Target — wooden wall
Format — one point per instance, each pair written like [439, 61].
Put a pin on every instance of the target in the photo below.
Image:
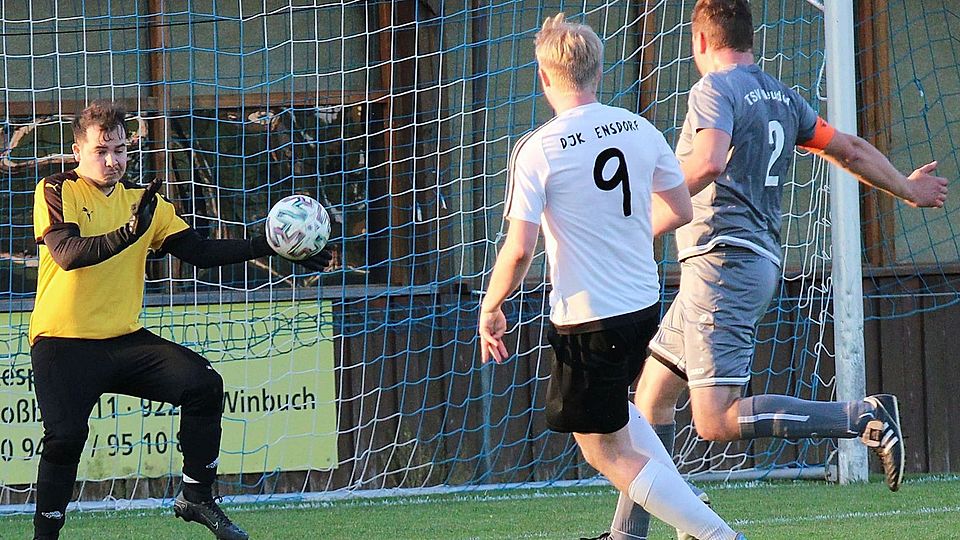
[417, 409]
[913, 356]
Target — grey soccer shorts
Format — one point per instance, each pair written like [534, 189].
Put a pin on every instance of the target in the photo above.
[707, 335]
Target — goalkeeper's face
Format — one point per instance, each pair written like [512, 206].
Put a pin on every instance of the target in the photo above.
[102, 156]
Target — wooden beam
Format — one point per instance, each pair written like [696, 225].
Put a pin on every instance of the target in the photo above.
[178, 104]
[646, 32]
[391, 185]
[479, 50]
[159, 92]
[431, 145]
[874, 95]
[155, 161]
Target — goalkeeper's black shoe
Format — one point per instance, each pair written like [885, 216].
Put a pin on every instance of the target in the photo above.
[604, 536]
[883, 435]
[210, 515]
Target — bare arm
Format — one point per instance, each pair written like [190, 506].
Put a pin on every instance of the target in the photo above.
[512, 264]
[870, 166]
[707, 160]
[671, 209]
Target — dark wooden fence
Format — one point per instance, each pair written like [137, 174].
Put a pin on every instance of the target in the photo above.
[416, 408]
[912, 341]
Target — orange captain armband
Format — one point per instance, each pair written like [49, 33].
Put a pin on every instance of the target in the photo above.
[822, 135]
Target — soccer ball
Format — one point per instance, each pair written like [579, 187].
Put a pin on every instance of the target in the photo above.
[298, 227]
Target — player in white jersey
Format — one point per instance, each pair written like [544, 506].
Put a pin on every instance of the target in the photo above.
[736, 143]
[602, 182]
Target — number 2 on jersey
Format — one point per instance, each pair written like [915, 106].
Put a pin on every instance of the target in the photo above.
[619, 178]
[775, 130]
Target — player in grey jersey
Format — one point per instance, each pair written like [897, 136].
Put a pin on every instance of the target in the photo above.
[737, 140]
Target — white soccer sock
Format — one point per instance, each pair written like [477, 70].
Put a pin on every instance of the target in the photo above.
[645, 440]
[666, 495]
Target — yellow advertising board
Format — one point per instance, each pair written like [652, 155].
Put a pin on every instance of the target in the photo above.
[277, 363]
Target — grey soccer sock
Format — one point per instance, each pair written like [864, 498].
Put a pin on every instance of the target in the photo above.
[785, 417]
[631, 521]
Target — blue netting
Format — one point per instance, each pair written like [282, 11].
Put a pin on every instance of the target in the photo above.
[399, 118]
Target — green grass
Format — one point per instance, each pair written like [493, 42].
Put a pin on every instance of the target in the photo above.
[926, 507]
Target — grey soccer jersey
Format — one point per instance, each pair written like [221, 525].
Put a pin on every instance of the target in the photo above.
[765, 120]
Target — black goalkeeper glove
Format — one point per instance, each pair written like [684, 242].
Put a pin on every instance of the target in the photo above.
[142, 213]
[316, 263]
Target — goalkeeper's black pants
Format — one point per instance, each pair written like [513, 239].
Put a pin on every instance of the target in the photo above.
[71, 374]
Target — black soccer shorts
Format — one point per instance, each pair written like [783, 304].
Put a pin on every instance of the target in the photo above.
[71, 375]
[593, 368]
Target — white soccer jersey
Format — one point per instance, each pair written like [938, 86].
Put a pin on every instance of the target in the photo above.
[589, 172]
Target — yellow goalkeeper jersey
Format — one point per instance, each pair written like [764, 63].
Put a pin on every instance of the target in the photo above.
[103, 300]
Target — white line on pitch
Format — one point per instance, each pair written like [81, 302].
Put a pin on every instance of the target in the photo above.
[847, 515]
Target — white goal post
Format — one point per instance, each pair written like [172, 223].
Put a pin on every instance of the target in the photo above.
[845, 201]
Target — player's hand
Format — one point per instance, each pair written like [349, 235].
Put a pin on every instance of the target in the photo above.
[927, 190]
[492, 327]
[141, 214]
[318, 262]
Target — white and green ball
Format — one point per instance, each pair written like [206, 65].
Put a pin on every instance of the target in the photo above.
[298, 227]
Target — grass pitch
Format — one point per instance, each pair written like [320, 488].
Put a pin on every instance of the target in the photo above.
[926, 507]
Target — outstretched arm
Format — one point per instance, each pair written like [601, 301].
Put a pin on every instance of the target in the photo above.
[512, 264]
[870, 166]
[190, 247]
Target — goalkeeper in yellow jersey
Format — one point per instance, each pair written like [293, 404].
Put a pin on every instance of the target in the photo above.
[94, 231]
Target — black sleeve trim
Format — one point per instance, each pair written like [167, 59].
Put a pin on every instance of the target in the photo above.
[71, 251]
[56, 227]
[169, 240]
[53, 198]
[190, 247]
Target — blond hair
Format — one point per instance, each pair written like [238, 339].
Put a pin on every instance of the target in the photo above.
[571, 53]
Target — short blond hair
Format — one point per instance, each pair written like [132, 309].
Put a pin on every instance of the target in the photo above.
[570, 53]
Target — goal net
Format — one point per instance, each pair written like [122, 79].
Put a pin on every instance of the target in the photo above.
[399, 117]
